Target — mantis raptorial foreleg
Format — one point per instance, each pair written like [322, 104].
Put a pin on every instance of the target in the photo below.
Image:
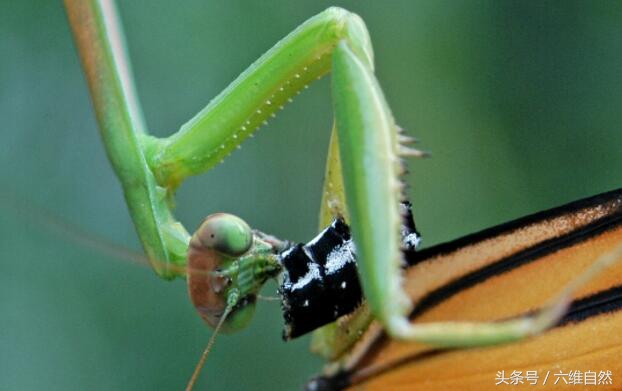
[369, 150]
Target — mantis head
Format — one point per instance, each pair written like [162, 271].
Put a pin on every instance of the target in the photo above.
[228, 265]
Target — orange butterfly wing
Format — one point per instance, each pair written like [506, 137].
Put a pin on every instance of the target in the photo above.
[504, 272]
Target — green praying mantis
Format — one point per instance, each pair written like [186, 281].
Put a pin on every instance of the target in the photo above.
[362, 182]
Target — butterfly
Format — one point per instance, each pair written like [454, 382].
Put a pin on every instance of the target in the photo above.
[500, 273]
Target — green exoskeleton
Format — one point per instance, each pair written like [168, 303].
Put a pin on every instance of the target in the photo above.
[227, 262]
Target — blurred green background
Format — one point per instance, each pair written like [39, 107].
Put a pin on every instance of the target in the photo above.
[519, 103]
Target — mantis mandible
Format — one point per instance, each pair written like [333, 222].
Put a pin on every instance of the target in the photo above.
[362, 182]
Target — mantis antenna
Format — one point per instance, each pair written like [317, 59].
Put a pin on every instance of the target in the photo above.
[208, 348]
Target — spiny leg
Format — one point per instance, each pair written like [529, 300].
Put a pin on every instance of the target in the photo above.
[264, 88]
[369, 150]
[255, 96]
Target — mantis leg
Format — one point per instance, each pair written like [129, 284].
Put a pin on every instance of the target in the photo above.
[369, 152]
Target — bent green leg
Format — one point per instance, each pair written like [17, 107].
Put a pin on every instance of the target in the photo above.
[369, 151]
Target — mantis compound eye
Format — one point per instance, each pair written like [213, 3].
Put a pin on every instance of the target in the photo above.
[226, 233]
